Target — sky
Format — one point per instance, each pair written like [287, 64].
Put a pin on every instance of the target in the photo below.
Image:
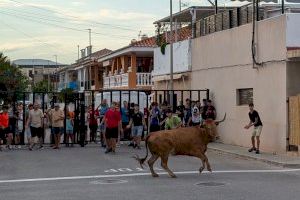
[40, 29]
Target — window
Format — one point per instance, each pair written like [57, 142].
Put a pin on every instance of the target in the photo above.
[244, 96]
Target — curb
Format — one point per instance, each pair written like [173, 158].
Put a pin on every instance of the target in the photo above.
[248, 157]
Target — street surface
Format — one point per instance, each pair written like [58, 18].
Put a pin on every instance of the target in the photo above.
[87, 173]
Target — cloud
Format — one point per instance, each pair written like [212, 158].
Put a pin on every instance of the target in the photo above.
[116, 14]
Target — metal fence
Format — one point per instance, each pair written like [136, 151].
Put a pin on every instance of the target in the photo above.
[78, 103]
[227, 19]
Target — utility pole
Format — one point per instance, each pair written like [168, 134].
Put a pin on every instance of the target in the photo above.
[56, 71]
[48, 88]
[78, 52]
[171, 56]
[179, 5]
[90, 36]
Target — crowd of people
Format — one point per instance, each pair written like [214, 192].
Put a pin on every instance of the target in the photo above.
[111, 124]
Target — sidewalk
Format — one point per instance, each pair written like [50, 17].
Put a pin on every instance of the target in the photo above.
[242, 152]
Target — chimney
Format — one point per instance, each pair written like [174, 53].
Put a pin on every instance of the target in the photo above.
[82, 53]
[144, 37]
[133, 41]
[89, 50]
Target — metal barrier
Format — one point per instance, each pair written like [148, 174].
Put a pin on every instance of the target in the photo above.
[78, 102]
[227, 19]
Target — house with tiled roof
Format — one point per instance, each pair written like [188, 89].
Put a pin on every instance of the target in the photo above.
[129, 67]
[85, 74]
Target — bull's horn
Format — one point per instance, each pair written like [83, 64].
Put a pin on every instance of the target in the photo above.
[218, 122]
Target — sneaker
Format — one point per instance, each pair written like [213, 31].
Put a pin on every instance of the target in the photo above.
[118, 145]
[134, 146]
[257, 151]
[41, 147]
[55, 148]
[30, 149]
[131, 144]
[138, 147]
[252, 149]
[19, 147]
[108, 150]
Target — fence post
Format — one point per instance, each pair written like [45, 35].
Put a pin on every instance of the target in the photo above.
[82, 120]
[24, 120]
[207, 94]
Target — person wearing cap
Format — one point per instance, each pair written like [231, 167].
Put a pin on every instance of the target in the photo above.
[57, 119]
[172, 121]
[35, 122]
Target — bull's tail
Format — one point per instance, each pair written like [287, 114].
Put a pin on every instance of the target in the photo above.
[142, 160]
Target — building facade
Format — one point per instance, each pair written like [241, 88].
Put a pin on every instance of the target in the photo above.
[234, 80]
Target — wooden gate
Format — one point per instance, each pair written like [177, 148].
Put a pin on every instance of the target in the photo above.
[294, 120]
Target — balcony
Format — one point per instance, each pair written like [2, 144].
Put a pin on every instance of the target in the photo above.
[122, 80]
[144, 79]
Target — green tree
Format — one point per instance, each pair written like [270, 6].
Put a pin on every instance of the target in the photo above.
[12, 79]
[42, 86]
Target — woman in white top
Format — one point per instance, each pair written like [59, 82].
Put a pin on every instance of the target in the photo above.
[196, 118]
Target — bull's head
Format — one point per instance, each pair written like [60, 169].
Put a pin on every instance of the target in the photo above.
[211, 127]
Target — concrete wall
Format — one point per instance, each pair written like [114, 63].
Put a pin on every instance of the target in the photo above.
[182, 58]
[222, 63]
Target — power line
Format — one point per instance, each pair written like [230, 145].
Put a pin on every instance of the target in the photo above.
[75, 17]
[62, 26]
[30, 36]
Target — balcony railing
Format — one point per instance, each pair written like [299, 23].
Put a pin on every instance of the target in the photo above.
[122, 80]
[144, 79]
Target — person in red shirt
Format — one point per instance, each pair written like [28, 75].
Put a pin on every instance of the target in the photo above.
[4, 125]
[93, 124]
[113, 124]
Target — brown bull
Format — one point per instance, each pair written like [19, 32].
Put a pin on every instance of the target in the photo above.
[190, 141]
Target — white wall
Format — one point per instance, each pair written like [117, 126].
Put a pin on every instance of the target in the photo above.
[222, 63]
[181, 62]
[293, 30]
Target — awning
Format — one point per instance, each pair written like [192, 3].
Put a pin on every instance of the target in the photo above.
[167, 77]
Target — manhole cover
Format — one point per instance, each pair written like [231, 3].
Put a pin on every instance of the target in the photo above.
[108, 181]
[210, 184]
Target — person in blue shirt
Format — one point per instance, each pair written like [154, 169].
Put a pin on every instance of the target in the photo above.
[154, 117]
[103, 108]
[125, 133]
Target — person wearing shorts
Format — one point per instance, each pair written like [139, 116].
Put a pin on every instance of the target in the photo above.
[256, 122]
[27, 132]
[137, 122]
[69, 130]
[58, 117]
[20, 123]
[112, 120]
[103, 108]
[35, 121]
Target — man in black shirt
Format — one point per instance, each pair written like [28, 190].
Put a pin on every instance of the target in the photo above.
[256, 122]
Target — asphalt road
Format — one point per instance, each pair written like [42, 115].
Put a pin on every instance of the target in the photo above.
[88, 173]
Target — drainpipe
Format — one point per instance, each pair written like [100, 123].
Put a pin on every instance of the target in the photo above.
[194, 17]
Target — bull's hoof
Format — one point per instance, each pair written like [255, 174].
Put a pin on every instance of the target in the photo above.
[173, 176]
[209, 169]
[201, 169]
[155, 175]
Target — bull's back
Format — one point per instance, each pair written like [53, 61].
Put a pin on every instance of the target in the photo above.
[181, 141]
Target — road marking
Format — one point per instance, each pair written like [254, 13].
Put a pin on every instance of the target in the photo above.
[138, 169]
[143, 174]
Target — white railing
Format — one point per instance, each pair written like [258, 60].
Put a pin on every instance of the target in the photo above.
[144, 79]
[120, 80]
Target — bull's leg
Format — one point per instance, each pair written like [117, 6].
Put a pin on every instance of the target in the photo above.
[151, 161]
[204, 161]
[164, 164]
[207, 163]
